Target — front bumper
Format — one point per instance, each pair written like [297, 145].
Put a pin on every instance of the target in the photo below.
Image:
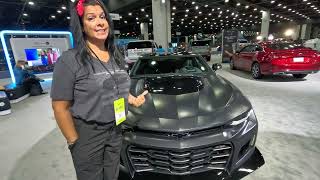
[211, 150]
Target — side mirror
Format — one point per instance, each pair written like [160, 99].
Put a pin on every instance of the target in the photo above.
[216, 66]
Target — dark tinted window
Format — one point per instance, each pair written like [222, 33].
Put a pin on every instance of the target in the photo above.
[248, 49]
[180, 65]
[282, 46]
[201, 43]
[139, 45]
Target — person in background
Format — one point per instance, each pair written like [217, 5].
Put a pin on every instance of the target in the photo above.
[26, 78]
[170, 49]
[52, 56]
[90, 93]
[161, 50]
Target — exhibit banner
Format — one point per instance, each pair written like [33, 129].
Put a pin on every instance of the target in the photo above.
[229, 40]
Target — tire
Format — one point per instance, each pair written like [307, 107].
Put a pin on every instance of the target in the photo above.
[256, 71]
[299, 76]
[232, 64]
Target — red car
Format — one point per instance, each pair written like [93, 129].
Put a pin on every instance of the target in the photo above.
[276, 58]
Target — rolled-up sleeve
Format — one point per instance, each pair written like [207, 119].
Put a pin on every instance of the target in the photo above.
[63, 81]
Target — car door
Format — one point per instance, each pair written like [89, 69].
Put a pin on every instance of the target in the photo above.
[249, 57]
[241, 57]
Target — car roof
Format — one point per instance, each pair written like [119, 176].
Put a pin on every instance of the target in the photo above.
[151, 56]
[142, 41]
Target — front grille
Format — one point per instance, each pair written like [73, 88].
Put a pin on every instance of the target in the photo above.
[179, 161]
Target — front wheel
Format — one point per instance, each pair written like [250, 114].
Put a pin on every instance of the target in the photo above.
[256, 71]
[299, 76]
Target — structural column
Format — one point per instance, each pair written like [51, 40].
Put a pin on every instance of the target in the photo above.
[161, 15]
[296, 34]
[144, 31]
[306, 31]
[265, 24]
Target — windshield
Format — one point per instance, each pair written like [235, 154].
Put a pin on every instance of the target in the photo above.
[139, 45]
[169, 65]
[284, 46]
[201, 43]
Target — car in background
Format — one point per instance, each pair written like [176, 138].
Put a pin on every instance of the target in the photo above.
[193, 121]
[136, 49]
[313, 44]
[276, 59]
[202, 47]
[241, 43]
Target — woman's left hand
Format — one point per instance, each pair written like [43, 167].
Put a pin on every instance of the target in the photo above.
[137, 101]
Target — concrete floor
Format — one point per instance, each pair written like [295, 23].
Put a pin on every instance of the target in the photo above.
[32, 148]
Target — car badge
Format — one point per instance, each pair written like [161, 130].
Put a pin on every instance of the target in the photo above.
[180, 135]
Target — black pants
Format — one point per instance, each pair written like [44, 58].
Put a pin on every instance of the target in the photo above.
[96, 154]
[33, 85]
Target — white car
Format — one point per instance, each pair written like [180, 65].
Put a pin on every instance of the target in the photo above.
[136, 49]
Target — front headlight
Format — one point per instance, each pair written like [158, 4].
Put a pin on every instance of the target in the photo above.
[247, 122]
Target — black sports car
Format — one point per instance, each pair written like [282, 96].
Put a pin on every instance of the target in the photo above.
[193, 122]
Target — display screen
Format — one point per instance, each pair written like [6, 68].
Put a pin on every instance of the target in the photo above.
[43, 56]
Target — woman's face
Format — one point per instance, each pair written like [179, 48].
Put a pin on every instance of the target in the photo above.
[95, 23]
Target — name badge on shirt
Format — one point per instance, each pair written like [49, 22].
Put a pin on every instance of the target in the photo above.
[119, 111]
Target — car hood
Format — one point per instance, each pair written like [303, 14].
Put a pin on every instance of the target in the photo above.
[185, 103]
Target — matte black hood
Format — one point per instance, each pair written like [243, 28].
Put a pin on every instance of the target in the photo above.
[185, 103]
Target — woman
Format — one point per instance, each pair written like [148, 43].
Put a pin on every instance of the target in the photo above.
[90, 93]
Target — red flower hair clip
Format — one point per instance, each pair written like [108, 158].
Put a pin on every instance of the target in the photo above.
[80, 7]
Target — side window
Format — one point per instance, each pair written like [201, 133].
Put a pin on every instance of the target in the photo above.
[259, 48]
[245, 49]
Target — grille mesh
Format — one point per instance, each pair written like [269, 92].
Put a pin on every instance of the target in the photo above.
[179, 161]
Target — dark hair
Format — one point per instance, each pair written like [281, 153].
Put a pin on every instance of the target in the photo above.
[76, 26]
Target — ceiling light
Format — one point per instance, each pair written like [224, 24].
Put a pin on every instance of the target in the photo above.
[25, 14]
[130, 14]
[147, 15]
[247, 7]
[174, 8]
[309, 3]
[272, 2]
[53, 16]
[255, 9]
[187, 10]
[193, 2]
[312, 6]
[206, 5]
[59, 11]
[197, 7]
[226, 1]
[173, 14]
[279, 4]
[209, 14]
[212, 10]
[150, 20]
[126, 22]
[186, 15]
[68, 17]
[137, 18]
[31, 3]
[238, 4]
[142, 10]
